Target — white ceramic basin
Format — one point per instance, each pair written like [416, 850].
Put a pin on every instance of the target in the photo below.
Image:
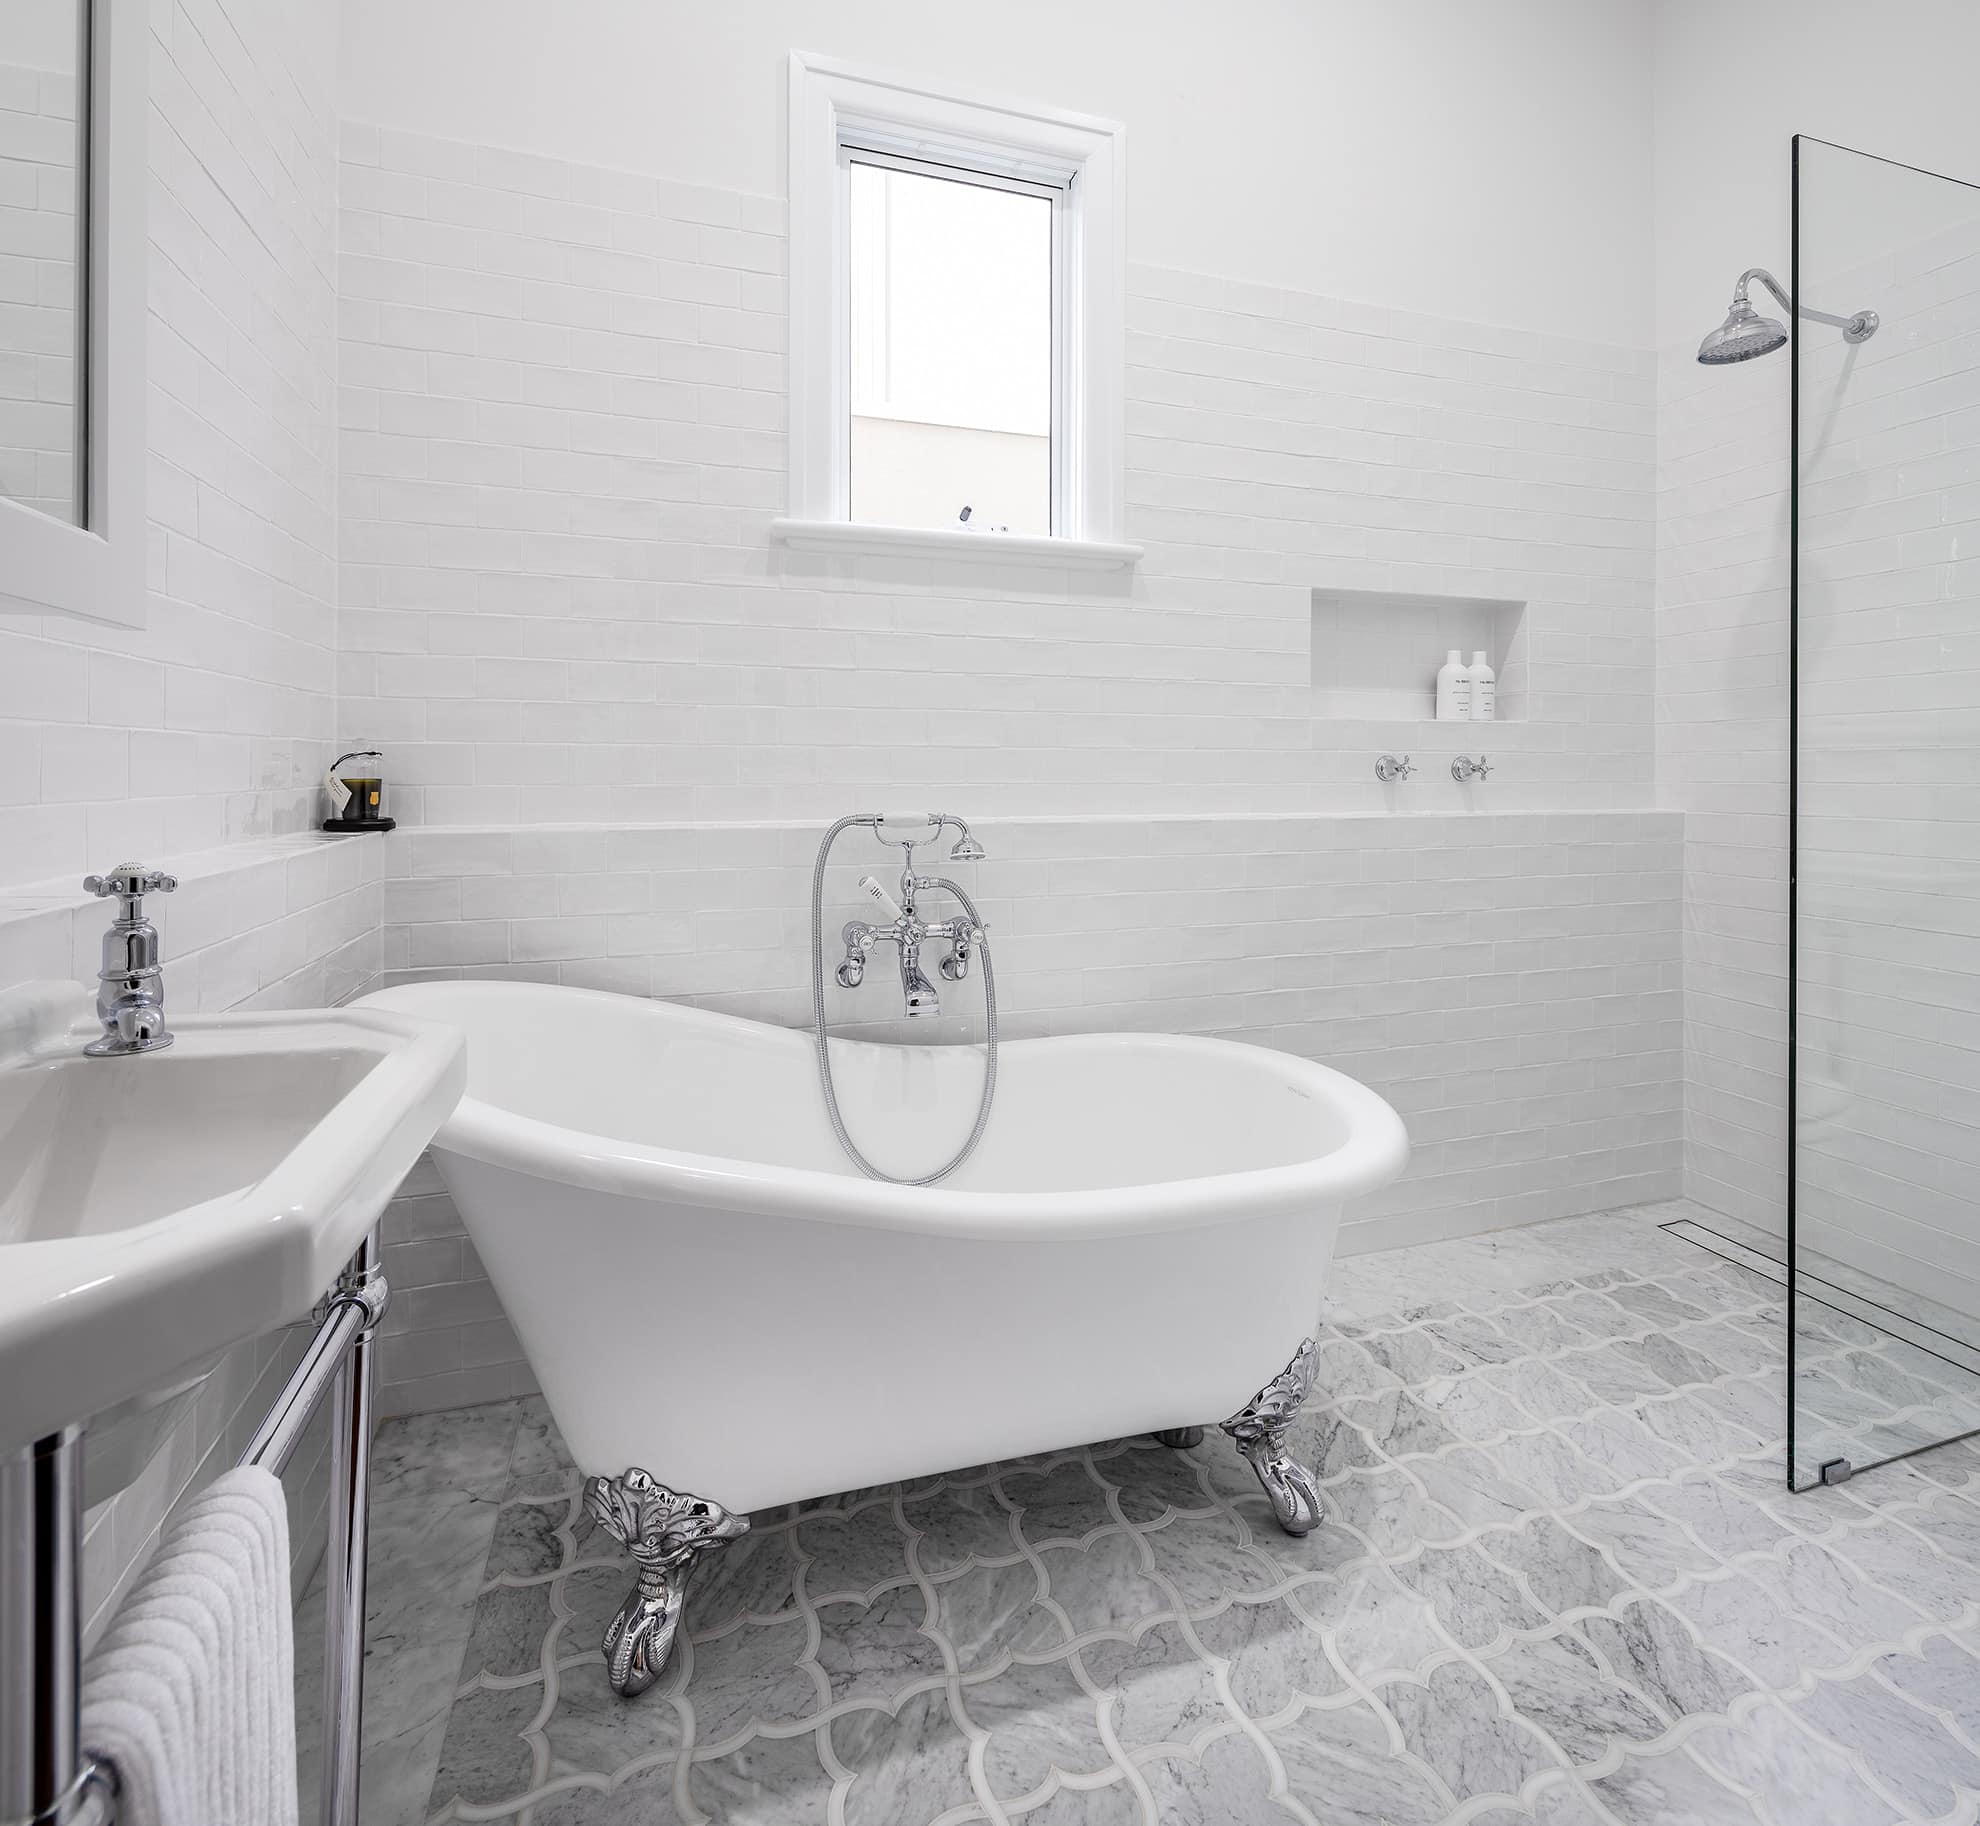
[156, 1209]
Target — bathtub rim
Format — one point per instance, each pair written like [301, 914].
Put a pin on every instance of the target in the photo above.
[1373, 1153]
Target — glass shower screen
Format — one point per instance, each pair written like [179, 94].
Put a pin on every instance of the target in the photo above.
[1884, 955]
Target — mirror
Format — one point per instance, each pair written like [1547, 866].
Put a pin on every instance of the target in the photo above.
[73, 255]
[43, 237]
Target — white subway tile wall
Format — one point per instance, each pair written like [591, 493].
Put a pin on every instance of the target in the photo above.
[1890, 727]
[38, 289]
[1509, 981]
[214, 721]
[1888, 513]
[281, 922]
[563, 444]
[1722, 753]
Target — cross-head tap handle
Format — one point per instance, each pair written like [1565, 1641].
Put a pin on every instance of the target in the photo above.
[130, 882]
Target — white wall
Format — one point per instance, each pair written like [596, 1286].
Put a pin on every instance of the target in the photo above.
[563, 422]
[42, 34]
[1489, 163]
[214, 721]
[1889, 1012]
[1734, 84]
[1892, 80]
[563, 447]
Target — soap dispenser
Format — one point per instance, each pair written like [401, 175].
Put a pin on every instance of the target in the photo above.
[1453, 690]
[357, 798]
[1484, 689]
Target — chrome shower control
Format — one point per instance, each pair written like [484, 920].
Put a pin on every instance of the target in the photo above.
[903, 926]
[1464, 768]
[1390, 768]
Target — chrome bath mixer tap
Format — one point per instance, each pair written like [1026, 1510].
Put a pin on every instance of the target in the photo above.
[907, 931]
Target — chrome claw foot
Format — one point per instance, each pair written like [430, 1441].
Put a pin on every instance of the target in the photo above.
[665, 1531]
[1178, 1439]
[1259, 1432]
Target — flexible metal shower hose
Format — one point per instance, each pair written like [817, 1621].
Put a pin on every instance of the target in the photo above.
[825, 1052]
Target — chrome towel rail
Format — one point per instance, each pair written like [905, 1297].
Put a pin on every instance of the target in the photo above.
[47, 1776]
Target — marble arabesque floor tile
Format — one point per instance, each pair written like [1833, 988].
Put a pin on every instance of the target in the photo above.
[437, 1484]
[1560, 1580]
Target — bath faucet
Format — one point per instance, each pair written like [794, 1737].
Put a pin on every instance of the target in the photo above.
[907, 931]
[130, 988]
[1464, 769]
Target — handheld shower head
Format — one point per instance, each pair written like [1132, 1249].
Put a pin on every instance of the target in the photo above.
[967, 849]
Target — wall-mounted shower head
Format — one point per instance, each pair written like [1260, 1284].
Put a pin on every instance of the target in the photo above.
[1745, 333]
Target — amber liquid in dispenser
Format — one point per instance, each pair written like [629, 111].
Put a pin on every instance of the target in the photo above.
[366, 810]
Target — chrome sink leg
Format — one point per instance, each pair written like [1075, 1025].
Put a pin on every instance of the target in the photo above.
[1259, 1432]
[665, 1531]
[45, 1773]
[353, 1420]
[1178, 1439]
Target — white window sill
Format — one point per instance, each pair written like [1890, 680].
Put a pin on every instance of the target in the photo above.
[842, 538]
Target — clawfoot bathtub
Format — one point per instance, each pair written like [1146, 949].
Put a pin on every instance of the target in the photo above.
[709, 1294]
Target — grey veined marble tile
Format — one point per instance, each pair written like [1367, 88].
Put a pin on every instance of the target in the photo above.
[1478, 1602]
[1906, 1749]
[1560, 1688]
[1795, 1777]
[1343, 1764]
[1559, 1580]
[1671, 1789]
[1455, 1726]
[908, 1763]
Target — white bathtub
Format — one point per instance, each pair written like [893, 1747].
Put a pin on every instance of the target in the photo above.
[707, 1290]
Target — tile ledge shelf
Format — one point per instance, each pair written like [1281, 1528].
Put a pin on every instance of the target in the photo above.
[501, 827]
[30, 899]
[52, 893]
[841, 538]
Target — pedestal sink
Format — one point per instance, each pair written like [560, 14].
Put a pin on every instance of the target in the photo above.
[158, 1208]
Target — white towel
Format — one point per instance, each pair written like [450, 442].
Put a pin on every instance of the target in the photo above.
[191, 1692]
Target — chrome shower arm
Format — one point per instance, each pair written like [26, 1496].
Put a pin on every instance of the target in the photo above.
[1857, 327]
[1768, 280]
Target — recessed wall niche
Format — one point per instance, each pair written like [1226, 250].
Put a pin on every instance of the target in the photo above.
[1375, 653]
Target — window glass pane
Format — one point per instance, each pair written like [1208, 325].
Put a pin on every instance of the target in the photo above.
[951, 353]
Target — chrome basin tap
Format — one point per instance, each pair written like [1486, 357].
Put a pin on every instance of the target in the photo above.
[130, 988]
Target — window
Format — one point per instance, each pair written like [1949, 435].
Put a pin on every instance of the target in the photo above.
[951, 323]
[955, 324]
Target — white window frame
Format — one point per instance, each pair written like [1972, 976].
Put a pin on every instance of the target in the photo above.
[838, 111]
[96, 570]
